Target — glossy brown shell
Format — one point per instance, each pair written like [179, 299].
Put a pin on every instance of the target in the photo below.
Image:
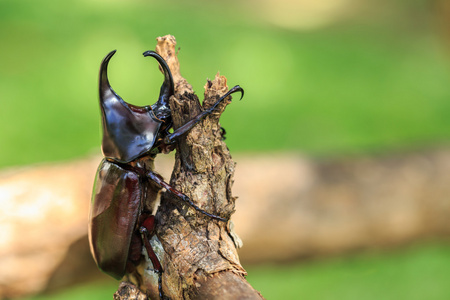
[129, 131]
[115, 209]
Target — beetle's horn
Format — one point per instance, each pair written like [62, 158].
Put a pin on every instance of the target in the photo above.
[128, 131]
[161, 107]
[106, 92]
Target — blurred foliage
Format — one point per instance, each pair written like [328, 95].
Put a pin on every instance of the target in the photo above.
[375, 83]
[420, 272]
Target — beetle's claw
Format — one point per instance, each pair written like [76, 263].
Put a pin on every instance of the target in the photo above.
[149, 53]
[233, 90]
[237, 88]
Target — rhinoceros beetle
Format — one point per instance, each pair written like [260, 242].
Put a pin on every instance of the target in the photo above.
[121, 221]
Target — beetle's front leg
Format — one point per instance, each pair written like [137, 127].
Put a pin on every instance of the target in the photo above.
[160, 181]
[170, 139]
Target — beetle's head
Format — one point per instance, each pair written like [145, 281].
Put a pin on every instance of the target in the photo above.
[130, 131]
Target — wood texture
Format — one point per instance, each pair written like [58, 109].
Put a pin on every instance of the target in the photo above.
[199, 254]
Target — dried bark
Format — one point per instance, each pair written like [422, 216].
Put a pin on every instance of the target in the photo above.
[198, 253]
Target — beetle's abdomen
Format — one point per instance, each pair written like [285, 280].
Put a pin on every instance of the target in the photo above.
[114, 212]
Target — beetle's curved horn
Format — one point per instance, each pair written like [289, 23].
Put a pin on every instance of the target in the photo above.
[106, 91]
[128, 130]
[167, 88]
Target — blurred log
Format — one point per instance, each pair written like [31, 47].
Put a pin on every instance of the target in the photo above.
[339, 206]
[44, 210]
[335, 206]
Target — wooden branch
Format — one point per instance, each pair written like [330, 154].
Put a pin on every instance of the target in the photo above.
[198, 253]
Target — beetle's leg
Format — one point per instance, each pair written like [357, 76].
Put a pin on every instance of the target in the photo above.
[146, 230]
[169, 139]
[160, 181]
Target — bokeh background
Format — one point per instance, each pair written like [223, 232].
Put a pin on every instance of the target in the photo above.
[327, 79]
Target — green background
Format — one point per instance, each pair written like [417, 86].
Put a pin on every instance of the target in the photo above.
[376, 82]
[373, 84]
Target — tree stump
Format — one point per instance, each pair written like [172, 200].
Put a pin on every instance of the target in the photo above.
[198, 254]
